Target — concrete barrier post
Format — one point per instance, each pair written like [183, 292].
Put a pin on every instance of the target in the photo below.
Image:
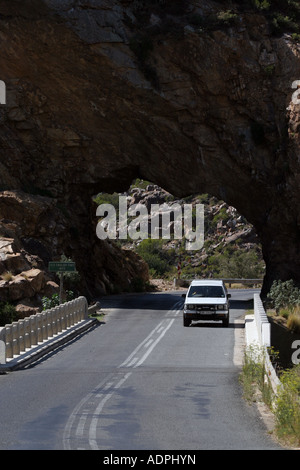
[2, 345]
[49, 323]
[58, 318]
[81, 309]
[75, 314]
[66, 316]
[9, 341]
[33, 330]
[71, 313]
[63, 317]
[21, 333]
[54, 321]
[39, 320]
[44, 325]
[27, 333]
[15, 338]
[78, 309]
[75, 306]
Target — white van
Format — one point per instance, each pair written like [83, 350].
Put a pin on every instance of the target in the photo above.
[206, 299]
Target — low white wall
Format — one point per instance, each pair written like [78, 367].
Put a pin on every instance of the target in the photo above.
[258, 333]
[262, 323]
[24, 334]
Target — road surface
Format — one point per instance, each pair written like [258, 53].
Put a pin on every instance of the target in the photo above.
[139, 381]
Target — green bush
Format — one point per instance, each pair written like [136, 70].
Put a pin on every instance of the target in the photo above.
[53, 301]
[150, 251]
[50, 302]
[106, 198]
[287, 406]
[239, 265]
[226, 17]
[8, 313]
[282, 23]
[284, 295]
[261, 4]
[160, 261]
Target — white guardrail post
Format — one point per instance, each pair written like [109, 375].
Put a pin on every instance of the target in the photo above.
[20, 336]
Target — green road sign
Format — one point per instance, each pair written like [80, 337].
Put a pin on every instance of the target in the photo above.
[61, 266]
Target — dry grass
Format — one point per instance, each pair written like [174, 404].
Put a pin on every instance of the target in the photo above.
[293, 321]
[8, 276]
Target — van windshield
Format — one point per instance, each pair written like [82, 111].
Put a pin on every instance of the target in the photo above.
[206, 291]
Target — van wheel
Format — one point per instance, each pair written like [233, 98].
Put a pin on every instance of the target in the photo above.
[226, 321]
[186, 322]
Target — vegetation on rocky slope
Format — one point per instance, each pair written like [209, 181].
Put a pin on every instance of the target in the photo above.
[231, 248]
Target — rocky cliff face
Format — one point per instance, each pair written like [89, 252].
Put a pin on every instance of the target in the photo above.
[100, 92]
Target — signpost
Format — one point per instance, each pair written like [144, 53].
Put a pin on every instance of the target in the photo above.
[61, 267]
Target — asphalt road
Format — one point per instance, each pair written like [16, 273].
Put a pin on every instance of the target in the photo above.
[138, 381]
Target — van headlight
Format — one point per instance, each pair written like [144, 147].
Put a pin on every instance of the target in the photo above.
[222, 307]
[190, 306]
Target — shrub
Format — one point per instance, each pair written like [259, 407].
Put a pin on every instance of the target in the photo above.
[241, 265]
[226, 17]
[261, 4]
[282, 23]
[160, 261]
[106, 198]
[287, 406]
[296, 37]
[284, 295]
[8, 313]
[51, 302]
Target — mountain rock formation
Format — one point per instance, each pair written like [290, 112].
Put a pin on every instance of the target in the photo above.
[188, 94]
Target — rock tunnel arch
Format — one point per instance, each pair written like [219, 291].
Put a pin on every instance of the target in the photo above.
[224, 245]
[83, 117]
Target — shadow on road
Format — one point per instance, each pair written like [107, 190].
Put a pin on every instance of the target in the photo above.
[160, 301]
[241, 304]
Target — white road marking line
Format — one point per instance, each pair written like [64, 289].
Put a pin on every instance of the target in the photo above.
[75, 413]
[81, 424]
[94, 422]
[139, 346]
[153, 345]
[108, 384]
[132, 362]
[147, 344]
